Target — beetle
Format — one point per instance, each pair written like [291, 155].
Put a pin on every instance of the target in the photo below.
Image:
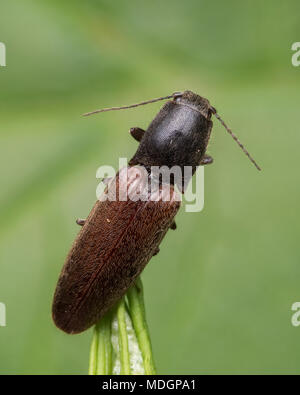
[119, 237]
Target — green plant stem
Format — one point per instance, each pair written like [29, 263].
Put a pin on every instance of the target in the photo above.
[101, 349]
[135, 297]
[123, 339]
[94, 353]
[121, 342]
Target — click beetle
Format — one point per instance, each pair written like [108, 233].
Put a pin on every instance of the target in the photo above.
[119, 237]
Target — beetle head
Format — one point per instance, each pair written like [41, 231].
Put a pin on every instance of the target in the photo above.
[194, 101]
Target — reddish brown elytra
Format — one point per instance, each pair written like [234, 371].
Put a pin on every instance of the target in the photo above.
[114, 245]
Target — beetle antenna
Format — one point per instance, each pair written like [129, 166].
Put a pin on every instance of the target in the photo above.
[214, 111]
[174, 95]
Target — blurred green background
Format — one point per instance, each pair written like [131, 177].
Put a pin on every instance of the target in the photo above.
[219, 294]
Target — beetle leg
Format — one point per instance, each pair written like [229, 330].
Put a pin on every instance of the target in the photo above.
[156, 251]
[137, 133]
[173, 225]
[207, 160]
[80, 222]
